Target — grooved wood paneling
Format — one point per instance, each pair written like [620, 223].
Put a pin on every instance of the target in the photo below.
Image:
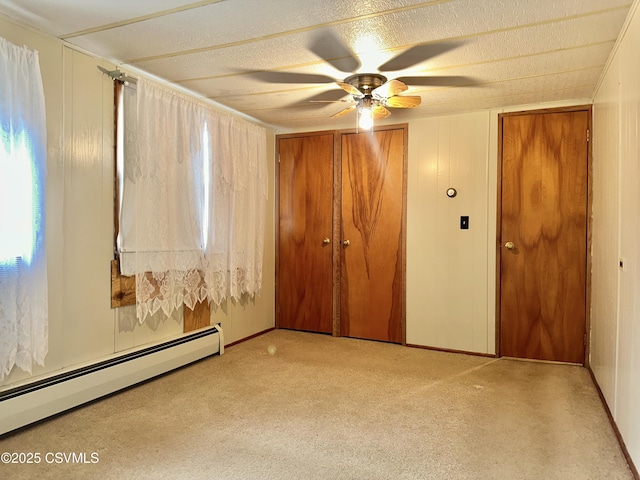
[604, 301]
[87, 207]
[627, 367]
[447, 268]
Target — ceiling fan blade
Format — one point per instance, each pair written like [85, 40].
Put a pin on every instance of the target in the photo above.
[407, 101]
[350, 89]
[440, 81]
[344, 112]
[291, 77]
[389, 89]
[316, 99]
[333, 95]
[417, 54]
[333, 51]
[332, 101]
[380, 112]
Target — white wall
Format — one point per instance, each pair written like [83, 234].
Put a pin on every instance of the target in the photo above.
[606, 203]
[79, 207]
[615, 314]
[447, 268]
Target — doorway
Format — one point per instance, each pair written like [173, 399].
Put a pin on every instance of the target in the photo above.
[543, 212]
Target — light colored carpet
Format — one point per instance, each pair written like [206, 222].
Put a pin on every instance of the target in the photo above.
[337, 408]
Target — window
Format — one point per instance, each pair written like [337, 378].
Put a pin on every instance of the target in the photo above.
[17, 202]
[192, 198]
[206, 186]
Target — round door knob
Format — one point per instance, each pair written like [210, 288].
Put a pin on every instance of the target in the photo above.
[346, 243]
[326, 241]
[509, 246]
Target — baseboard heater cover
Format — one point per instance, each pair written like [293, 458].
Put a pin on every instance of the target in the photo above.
[35, 401]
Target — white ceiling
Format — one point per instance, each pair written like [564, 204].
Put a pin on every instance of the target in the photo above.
[516, 51]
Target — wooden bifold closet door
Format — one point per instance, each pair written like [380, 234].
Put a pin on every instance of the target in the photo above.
[304, 283]
[372, 265]
[341, 243]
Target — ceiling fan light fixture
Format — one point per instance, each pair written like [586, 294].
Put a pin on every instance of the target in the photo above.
[365, 112]
[365, 118]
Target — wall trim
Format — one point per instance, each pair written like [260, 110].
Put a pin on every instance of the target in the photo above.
[616, 46]
[623, 446]
[242, 340]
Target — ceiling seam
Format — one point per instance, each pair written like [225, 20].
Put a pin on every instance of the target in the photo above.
[427, 90]
[449, 67]
[354, 19]
[518, 94]
[151, 16]
[466, 100]
[514, 79]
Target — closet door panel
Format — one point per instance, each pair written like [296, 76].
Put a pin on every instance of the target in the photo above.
[305, 281]
[372, 253]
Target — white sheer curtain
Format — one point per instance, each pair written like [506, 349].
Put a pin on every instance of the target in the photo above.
[194, 201]
[23, 262]
[162, 201]
[238, 186]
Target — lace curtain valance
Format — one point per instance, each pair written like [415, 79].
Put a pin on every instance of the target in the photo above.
[194, 198]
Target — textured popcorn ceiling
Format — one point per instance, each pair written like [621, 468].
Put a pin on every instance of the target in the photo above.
[517, 51]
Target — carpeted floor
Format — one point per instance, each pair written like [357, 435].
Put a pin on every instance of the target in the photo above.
[336, 408]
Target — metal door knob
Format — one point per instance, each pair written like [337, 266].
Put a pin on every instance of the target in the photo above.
[509, 246]
[346, 243]
[326, 241]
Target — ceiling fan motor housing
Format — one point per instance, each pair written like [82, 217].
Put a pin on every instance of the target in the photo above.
[366, 82]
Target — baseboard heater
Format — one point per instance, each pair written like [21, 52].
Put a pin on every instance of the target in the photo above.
[23, 405]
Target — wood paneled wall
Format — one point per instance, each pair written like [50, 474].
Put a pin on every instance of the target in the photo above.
[615, 318]
[604, 293]
[448, 273]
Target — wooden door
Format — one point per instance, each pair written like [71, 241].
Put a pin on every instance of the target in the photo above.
[372, 265]
[544, 216]
[305, 288]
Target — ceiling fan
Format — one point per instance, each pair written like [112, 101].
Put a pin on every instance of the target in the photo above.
[371, 93]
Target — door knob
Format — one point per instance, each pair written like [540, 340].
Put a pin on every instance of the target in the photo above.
[509, 246]
[346, 243]
[326, 241]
